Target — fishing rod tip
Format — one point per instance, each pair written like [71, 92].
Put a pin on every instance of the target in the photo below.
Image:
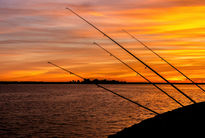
[68, 9]
[124, 30]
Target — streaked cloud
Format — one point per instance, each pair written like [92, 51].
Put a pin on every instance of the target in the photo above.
[34, 32]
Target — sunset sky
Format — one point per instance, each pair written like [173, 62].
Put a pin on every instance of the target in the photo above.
[33, 32]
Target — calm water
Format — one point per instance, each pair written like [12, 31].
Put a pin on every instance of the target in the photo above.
[67, 110]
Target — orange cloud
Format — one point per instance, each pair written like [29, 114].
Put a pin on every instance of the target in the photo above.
[35, 32]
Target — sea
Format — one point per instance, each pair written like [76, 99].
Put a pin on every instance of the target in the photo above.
[82, 110]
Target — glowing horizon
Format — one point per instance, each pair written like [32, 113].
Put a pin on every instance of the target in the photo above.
[35, 32]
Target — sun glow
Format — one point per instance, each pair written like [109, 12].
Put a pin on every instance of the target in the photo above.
[47, 32]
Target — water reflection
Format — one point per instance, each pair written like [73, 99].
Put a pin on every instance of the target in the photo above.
[47, 110]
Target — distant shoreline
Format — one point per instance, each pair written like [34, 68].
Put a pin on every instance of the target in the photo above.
[109, 82]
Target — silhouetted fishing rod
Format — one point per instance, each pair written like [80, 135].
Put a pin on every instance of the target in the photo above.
[107, 89]
[133, 56]
[137, 73]
[164, 60]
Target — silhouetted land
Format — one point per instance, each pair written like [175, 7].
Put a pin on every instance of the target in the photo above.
[182, 122]
[86, 81]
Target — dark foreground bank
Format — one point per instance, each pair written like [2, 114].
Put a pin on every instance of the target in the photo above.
[185, 121]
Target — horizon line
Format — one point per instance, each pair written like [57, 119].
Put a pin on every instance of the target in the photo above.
[81, 82]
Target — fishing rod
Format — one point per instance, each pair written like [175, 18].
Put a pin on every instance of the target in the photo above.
[133, 55]
[164, 60]
[98, 85]
[137, 73]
